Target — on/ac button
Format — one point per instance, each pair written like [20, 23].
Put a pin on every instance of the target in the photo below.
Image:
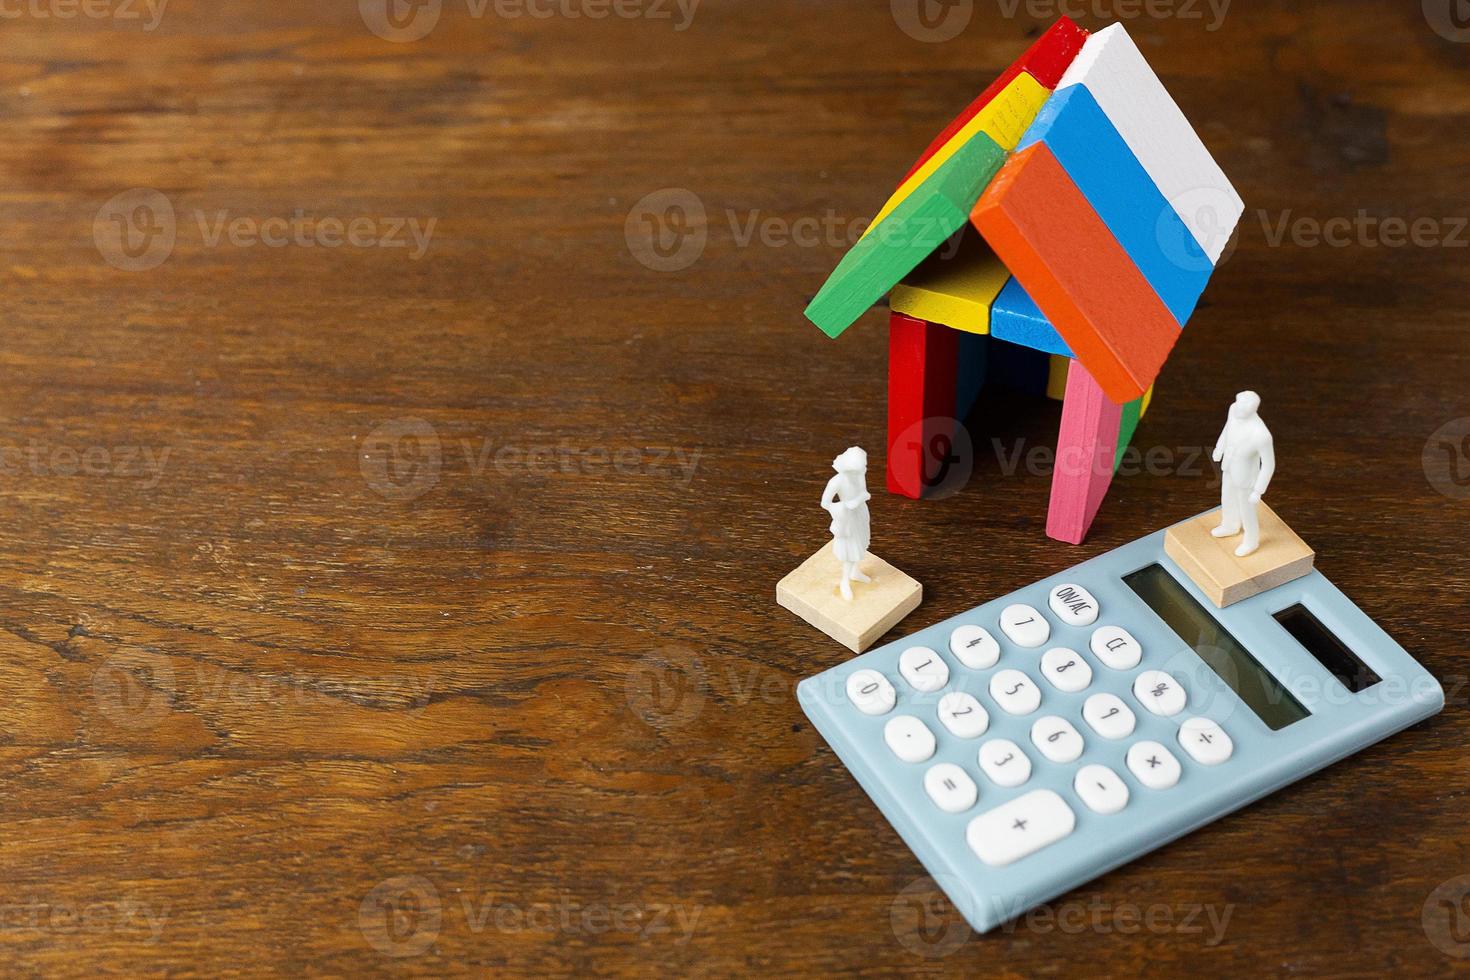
[1073, 605]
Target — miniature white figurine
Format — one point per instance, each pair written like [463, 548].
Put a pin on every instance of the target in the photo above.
[1247, 461]
[846, 499]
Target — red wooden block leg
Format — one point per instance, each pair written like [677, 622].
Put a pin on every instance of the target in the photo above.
[922, 369]
[1086, 448]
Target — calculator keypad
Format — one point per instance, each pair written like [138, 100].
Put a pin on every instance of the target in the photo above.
[1015, 692]
[1025, 626]
[950, 787]
[909, 738]
[1109, 716]
[1159, 693]
[924, 669]
[1066, 670]
[1057, 739]
[871, 692]
[1101, 789]
[1021, 826]
[1004, 762]
[1073, 605]
[1205, 741]
[974, 647]
[964, 716]
[1116, 647]
[1154, 765]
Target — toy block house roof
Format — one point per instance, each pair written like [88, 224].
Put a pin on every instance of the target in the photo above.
[1084, 216]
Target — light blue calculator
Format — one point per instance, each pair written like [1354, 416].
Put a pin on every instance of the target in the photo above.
[1036, 742]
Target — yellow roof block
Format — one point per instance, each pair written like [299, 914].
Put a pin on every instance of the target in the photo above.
[953, 288]
[1004, 120]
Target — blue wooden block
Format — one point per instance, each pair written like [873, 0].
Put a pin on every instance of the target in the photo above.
[1015, 318]
[1085, 142]
[1018, 368]
[971, 363]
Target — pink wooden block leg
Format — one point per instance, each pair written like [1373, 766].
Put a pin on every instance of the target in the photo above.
[1086, 447]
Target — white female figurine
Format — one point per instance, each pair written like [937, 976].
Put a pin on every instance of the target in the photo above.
[1247, 461]
[846, 499]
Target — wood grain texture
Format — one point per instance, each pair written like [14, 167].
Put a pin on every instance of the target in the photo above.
[454, 590]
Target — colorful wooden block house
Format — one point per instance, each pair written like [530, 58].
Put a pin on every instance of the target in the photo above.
[1070, 211]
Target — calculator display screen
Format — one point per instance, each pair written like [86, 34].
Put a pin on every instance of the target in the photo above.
[1214, 644]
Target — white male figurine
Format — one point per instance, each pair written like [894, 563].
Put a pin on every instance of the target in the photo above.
[1247, 462]
[846, 499]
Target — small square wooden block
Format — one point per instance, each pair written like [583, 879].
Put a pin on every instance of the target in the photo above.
[876, 607]
[1226, 579]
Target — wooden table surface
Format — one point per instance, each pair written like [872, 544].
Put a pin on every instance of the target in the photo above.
[398, 468]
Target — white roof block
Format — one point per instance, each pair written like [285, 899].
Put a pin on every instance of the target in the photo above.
[1141, 109]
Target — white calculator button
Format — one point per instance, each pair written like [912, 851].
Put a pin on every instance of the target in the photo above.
[1025, 625]
[963, 715]
[1021, 827]
[1073, 605]
[1004, 762]
[1205, 741]
[1109, 716]
[923, 669]
[1015, 692]
[975, 647]
[909, 738]
[1066, 669]
[950, 788]
[1154, 765]
[871, 692]
[1116, 647]
[1101, 789]
[1159, 693]
[1057, 739]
